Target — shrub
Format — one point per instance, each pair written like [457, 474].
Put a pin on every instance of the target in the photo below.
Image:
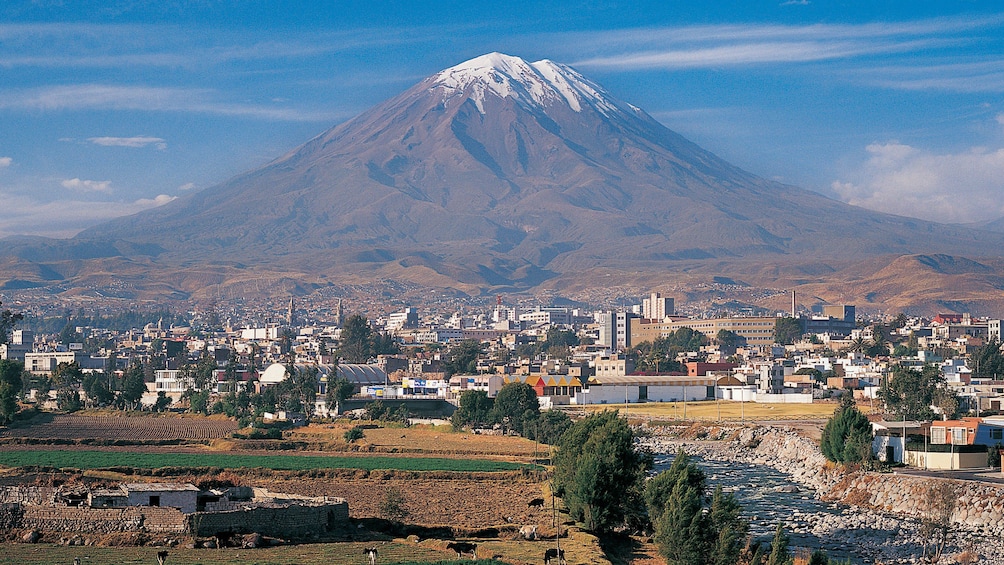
[354, 434]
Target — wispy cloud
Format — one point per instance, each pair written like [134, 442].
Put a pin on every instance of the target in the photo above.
[727, 45]
[5, 162]
[143, 98]
[186, 186]
[957, 76]
[138, 141]
[24, 215]
[953, 187]
[79, 185]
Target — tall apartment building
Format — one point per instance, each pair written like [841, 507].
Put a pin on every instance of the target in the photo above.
[615, 329]
[657, 307]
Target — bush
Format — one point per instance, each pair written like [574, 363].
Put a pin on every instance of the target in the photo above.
[354, 434]
[847, 437]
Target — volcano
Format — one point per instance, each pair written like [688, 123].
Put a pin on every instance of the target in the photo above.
[499, 172]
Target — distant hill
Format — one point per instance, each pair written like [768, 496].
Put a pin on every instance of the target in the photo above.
[503, 174]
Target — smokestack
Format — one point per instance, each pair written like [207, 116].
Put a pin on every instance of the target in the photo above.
[793, 308]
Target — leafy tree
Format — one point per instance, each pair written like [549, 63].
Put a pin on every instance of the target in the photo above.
[787, 330]
[133, 386]
[462, 358]
[8, 320]
[68, 400]
[162, 402]
[847, 436]
[515, 406]
[356, 342]
[393, 506]
[681, 530]
[339, 390]
[597, 471]
[987, 360]
[198, 401]
[384, 344]
[376, 410]
[550, 426]
[10, 388]
[728, 339]
[97, 389]
[660, 354]
[910, 393]
[475, 409]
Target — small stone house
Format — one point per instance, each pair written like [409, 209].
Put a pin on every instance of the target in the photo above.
[172, 495]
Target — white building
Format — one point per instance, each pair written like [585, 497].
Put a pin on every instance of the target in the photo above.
[657, 307]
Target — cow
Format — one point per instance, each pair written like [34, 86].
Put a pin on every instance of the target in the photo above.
[462, 547]
[535, 503]
[161, 557]
[371, 552]
[529, 532]
[553, 553]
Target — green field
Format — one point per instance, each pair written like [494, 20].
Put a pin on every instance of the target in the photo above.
[113, 459]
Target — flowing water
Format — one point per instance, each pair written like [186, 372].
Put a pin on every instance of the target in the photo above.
[768, 497]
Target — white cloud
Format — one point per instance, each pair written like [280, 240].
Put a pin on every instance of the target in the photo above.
[137, 141]
[78, 185]
[187, 186]
[904, 180]
[1000, 119]
[154, 99]
[26, 216]
[5, 162]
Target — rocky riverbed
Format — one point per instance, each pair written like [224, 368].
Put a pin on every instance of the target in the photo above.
[778, 475]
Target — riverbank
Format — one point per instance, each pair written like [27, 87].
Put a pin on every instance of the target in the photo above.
[876, 517]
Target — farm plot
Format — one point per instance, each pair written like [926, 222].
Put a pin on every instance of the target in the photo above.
[82, 460]
[70, 426]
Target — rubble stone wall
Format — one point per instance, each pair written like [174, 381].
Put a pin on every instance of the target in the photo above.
[294, 521]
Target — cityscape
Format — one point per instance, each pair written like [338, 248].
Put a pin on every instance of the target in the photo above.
[417, 283]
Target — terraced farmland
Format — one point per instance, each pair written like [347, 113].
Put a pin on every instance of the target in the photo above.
[71, 426]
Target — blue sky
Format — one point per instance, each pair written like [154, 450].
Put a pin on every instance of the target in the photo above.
[110, 107]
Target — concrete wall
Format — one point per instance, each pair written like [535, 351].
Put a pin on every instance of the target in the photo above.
[784, 398]
[945, 461]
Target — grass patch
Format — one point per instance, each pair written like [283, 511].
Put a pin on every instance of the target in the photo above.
[110, 459]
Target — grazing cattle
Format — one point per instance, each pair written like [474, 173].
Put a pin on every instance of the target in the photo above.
[371, 552]
[529, 532]
[161, 557]
[462, 547]
[553, 553]
[535, 503]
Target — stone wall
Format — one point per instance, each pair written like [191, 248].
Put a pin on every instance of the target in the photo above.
[294, 521]
[104, 520]
[26, 495]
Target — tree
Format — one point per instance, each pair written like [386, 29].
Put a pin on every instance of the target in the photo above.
[393, 506]
[728, 339]
[550, 426]
[987, 360]
[687, 532]
[10, 388]
[68, 400]
[475, 410]
[462, 358]
[910, 393]
[356, 340]
[779, 554]
[133, 386]
[353, 433]
[515, 406]
[163, 401]
[940, 500]
[8, 320]
[847, 436]
[787, 330]
[339, 390]
[597, 471]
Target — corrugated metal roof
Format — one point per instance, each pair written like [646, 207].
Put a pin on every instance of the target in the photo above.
[645, 380]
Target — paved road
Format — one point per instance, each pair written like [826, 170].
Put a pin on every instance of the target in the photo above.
[992, 476]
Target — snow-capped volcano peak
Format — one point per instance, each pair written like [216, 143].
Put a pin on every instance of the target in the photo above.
[539, 84]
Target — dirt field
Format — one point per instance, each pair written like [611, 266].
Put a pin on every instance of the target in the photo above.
[117, 426]
[726, 411]
[425, 439]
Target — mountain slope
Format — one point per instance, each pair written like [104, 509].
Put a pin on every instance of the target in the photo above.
[500, 172]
